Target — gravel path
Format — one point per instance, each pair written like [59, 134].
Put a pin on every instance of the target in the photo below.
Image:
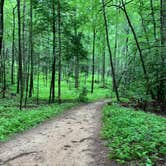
[69, 140]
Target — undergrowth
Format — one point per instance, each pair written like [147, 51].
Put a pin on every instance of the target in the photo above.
[17, 121]
[134, 136]
[13, 121]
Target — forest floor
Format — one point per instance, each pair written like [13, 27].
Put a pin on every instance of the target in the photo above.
[72, 139]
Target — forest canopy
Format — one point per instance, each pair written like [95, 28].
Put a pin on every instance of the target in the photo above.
[60, 40]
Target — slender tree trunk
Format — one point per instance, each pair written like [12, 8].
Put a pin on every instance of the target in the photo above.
[59, 57]
[18, 80]
[76, 70]
[77, 61]
[153, 18]
[52, 86]
[136, 39]
[31, 50]
[20, 54]
[93, 60]
[13, 47]
[38, 79]
[163, 28]
[23, 37]
[116, 45]
[109, 50]
[27, 85]
[1, 34]
[103, 66]
[4, 70]
[162, 83]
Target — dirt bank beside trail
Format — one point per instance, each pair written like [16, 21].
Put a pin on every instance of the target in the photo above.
[69, 140]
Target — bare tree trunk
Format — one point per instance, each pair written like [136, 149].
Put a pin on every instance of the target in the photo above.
[1, 34]
[23, 37]
[163, 28]
[13, 47]
[103, 66]
[4, 70]
[59, 57]
[20, 54]
[77, 71]
[162, 83]
[116, 45]
[77, 58]
[38, 79]
[27, 85]
[31, 50]
[109, 49]
[52, 86]
[93, 60]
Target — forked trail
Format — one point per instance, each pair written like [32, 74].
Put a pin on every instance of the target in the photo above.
[69, 140]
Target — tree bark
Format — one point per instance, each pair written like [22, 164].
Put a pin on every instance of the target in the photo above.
[13, 47]
[161, 91]
[20, 54]
[93, 60]
[4, 70]
[52, 86]
[109, 50]
[31, 50]
[103, 66]
[1, 34]
[59, 57]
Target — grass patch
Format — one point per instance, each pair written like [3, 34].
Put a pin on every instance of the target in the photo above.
[17, 121]
[134, 136]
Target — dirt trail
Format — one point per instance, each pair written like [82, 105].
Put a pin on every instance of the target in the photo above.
[69, 140]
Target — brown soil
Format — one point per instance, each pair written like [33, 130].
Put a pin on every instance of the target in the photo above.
[71, 140]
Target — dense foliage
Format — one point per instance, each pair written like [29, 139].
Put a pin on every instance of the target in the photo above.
[134, 136]
[65, 39]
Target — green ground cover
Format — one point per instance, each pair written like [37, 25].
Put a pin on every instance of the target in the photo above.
[12, 120]
[134, 136]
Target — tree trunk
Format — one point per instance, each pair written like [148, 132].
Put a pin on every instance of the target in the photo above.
[23, 37]
[93, 60]
[20, 54]
[103, 66]
[59, 57]
[136, 39]
[13, 47]
[31, 50]
[77, 60]
[1, 34]
[52, 86]
[38, 79]
[76, 71]
[138, 46]
[162, 84]
[4, 70]
[109, 50]
[27, 85]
